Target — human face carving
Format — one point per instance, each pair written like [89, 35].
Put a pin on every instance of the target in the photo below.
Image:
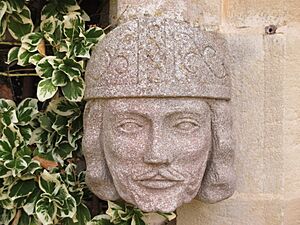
[156, 149]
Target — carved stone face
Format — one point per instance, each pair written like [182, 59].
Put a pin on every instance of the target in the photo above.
[156, 149]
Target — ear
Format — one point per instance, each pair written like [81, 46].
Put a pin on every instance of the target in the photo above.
[98, 177]
[219, 179]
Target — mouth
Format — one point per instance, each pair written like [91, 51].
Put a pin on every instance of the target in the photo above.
[158, 182]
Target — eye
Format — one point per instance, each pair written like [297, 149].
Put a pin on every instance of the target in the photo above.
[186, 125]
[129, 126]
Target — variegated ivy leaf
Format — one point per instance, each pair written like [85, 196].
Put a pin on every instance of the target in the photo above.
[82, 49]
[63, 107]
[50, 183]
[12, 134]
[7, 215]
[6, 152]
[46, 211]
[100, 220]
[27, 111]
[46, 89]
[16, 165]
[49, 25]
[21, 188]
[71, 68]
[8, 113]
[59, 78]
[74, 90]
[29, 206]
[12, 55]
[82, 216]
[3, 8]
[24, 56]
[63, 152]
[94, 34]
[69, 207]
[4, 172]
[44, 68]
[72, 23]
[20, 24]
[58, 8]
[35, 59]
[16, 5]
[3, 25]
[32, 39]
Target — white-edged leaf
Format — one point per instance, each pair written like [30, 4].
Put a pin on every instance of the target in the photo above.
[21, 188]
[34, 59]
[59, 78]
[48, 25]
[74, 90]
[46, 89]
[44, 68]
[49, 183]
[23, 56]
[20, 24]
[3, 8]
[12, 54]
[32, 38]
[94, 34]
[45, 211]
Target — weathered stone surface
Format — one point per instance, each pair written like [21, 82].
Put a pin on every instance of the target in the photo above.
[160, 58]
[158, 120]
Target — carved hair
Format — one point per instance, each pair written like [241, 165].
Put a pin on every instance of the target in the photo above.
[219, 179]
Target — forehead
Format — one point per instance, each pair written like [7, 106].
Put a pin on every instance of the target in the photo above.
[150, 106]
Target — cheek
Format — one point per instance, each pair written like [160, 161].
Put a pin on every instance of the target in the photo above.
[129, 147]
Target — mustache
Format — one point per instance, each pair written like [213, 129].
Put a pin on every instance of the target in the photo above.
[160, 174]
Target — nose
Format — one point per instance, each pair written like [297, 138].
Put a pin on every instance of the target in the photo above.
[158, 152]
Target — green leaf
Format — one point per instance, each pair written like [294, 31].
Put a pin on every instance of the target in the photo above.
[94, 34]
[46, 211]
[21, 188]
[63, 107]
[27, 111]
[29, 206]
[16, 5]
[12, 54]
[20, 24]
[32, 38]
[5, 151]
[46, 89]
[49, 25]
[7, 215]
[24, 56]
[34, 59]
[44, 68]
[100, 220]
[3, 8]
[71, 68]
[49, 183]
[81, 50]
[74, 90]
[16, 165]
[24, 219]
[72, 22]
[3, 26]
[69, 207]
[59, 78]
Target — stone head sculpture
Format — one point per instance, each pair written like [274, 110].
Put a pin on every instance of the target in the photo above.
[157, 124]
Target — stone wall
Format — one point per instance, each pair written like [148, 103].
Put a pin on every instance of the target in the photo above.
[265, 99]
